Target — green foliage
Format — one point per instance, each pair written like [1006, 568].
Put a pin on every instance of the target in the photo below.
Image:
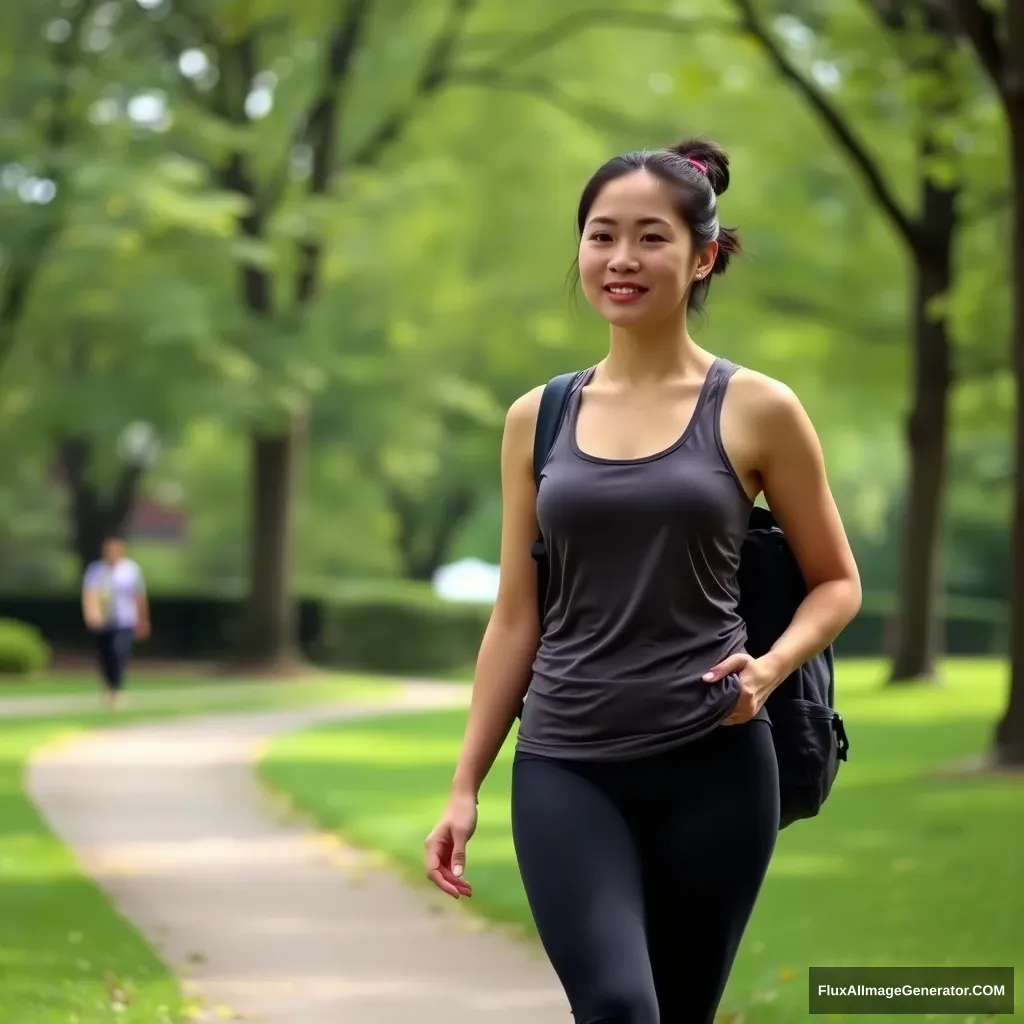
[443, 293]
[32, 529]
[23, 651]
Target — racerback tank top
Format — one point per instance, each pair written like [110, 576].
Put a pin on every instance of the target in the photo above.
[643, 594]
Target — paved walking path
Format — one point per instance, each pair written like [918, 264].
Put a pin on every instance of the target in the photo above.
[258, 915]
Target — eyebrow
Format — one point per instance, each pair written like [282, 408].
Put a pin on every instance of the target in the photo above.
[640, 221]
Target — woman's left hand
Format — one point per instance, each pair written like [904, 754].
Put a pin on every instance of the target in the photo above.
[757, 680]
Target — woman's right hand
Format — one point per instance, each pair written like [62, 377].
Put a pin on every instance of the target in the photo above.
[446, 846]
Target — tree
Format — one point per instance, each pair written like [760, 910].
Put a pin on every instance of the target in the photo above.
[278, 303]
[999, 45]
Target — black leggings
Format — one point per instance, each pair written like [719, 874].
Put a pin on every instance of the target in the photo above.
[642, 875]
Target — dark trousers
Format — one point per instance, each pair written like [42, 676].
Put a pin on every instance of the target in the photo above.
[642, 875]
[114, 647]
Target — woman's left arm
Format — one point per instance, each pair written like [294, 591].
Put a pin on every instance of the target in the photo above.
[795, 485]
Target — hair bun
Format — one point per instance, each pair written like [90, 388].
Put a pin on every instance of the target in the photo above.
[711, 155]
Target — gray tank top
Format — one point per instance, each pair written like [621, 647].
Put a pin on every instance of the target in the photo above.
[643, 592]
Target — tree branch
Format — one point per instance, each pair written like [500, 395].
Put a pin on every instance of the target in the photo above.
[320, 133]
[571, 25]
[317, 121]
[437, 67]
[322, 123]
[979, 25]
[898, 15]
[543, 89]
[836, 123]
[75, 455]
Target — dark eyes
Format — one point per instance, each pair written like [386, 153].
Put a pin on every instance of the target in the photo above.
[603, 236]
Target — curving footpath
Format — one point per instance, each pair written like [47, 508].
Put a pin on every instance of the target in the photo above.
[260, 918]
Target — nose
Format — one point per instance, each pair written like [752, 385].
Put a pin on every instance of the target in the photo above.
[623, 262]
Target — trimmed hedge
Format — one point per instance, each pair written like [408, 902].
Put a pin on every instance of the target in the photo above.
[399, 632]
[23, 651]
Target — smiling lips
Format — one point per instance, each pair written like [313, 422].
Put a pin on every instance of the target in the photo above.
[619, 291]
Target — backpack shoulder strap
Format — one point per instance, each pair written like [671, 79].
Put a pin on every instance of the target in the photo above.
[553, 402]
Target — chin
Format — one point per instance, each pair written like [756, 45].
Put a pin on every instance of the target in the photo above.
[627, 316]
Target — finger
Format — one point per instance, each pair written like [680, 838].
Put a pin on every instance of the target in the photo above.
[734, 663]
[445, 886]
[458, 859]
[739, 714]
[741, 711]
[460, 884]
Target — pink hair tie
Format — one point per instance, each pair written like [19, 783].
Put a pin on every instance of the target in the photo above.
[696, 163]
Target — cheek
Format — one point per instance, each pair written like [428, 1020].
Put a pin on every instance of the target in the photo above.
[669, 274]
[592, 270]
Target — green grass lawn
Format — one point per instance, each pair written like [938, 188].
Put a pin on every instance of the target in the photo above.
[65, 955]
[902, 867]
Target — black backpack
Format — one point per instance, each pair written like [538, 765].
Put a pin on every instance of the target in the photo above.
[808, 733]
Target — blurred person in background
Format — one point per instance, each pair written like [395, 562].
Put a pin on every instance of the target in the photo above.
[116, 612]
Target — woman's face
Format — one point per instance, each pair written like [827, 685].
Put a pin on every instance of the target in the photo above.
[636, 255]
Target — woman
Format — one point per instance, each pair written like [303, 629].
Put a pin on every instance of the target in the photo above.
[645, 802]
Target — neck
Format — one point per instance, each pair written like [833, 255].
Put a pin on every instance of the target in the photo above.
[653, 354]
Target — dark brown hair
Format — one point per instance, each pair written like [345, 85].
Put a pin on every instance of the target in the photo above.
[697, 172]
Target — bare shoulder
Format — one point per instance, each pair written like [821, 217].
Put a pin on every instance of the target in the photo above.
[520, 427]
[522, 413]
[521, 418]
[763, 396]
[770, 406]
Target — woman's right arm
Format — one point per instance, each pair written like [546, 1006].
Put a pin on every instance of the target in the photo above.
[506, 655]
[510, 641]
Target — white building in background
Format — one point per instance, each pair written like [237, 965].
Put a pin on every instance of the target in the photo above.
[467, 580]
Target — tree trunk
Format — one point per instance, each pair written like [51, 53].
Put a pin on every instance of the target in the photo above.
[917, 627]
[269, 624]
[424, 546]
[1009, 735]
[92, 518]
[269, 620]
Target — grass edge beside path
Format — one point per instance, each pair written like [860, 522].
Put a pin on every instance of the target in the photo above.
[67, 955]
